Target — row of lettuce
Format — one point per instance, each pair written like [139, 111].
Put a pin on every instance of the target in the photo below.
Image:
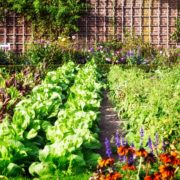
[54, 126]
[148, 100]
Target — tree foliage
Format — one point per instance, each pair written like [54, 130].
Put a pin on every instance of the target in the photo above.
[52, 17]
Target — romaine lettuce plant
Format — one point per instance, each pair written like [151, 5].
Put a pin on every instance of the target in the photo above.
[33, 115]
[72, 138]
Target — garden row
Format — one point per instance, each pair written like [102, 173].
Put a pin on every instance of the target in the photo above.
[53, 126]
[147, 100]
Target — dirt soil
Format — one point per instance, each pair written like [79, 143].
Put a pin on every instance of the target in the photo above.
[109, 123]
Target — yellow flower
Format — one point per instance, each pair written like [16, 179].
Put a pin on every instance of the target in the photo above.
[63, 39]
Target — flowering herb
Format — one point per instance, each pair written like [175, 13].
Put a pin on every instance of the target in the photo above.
[150, 144]
[141, 135]
[117, 139]
[108, 148]
[139, 164]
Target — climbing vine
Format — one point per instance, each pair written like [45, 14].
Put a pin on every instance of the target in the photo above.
[176, 34]
[52, 17]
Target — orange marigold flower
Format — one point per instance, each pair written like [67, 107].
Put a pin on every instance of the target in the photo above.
[106, 162]
[166, 171]
[129, 167]
[125, 150]
[173, 153]
[114, 176]
[141, 152]
[170, 158]
[177, 162]
[156, 176]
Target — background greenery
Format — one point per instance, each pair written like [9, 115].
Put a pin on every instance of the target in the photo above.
[47, 17]
[147, 99]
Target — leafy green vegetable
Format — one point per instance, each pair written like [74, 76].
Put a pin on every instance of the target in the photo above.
[71, 136]
[21, 139]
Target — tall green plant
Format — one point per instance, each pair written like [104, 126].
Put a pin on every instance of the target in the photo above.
[47, 17]
[149, 100]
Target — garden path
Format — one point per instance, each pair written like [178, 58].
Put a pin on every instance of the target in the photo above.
[109, 123]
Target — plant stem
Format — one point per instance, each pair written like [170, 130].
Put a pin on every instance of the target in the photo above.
[147, 168]
[176, 170]
[140, 163]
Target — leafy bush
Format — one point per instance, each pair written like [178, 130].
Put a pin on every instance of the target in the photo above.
[53, 53]
[47, 17]
[44, 53]
[144, 99]
[9, 58]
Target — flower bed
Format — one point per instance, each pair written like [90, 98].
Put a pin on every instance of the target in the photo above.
[154, 162]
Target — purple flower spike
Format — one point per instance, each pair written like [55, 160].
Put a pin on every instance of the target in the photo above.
[150, 144]
[108, 148]
[142, 132]
[121, 158]
[91, 50]
[124, 158]
[130, 53]
[130, 159]
[141, 135]
[117, 139]
[123, 142]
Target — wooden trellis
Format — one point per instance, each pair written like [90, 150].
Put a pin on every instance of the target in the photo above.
[154, 20]
[16, 31]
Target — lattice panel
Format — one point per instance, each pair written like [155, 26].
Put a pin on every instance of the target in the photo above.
[154, 20]
[16, 31]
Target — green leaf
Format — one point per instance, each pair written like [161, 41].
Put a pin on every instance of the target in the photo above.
[41, 169]
[31, 134]
[92, 159]
[13, 169]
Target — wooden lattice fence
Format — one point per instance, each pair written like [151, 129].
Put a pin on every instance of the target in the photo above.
[154, 20]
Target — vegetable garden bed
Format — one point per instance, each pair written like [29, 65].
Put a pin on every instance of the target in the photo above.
[52, 128]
